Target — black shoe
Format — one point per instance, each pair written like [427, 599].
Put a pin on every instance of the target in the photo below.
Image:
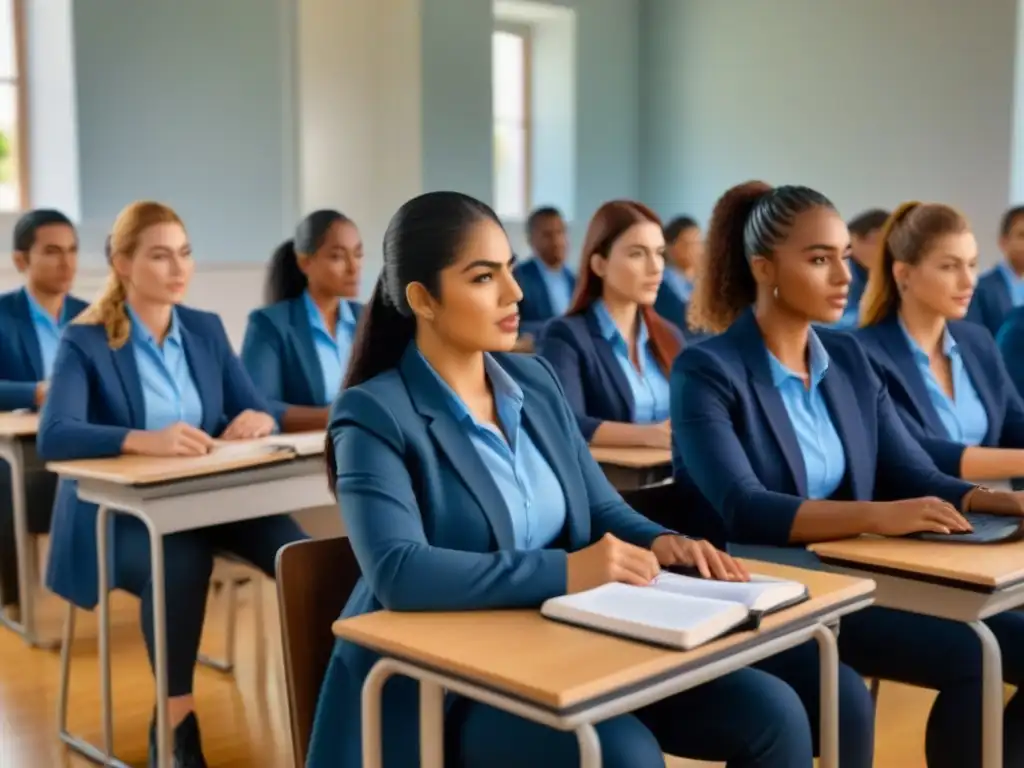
[186, 744]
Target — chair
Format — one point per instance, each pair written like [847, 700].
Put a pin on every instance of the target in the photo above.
[314, 580]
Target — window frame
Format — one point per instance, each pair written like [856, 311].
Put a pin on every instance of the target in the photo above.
[525, 33]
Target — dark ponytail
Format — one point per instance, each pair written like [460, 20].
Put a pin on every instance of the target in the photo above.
[285, 281]
[422, 239]
[749, 220]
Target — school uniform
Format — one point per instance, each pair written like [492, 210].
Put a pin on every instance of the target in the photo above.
[291, 355]
[446, 513]
[97, 396]
[1010, 342]
[591, 361]
[985, 408]
[751, 444]
[673, 302]
[28, 346]
[547, 293]
[998, 292]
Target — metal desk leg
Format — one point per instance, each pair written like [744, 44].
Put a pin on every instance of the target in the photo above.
[590, 746]
[373, 688]
[431, 725]
[103, 580]
[828, 657]
[163, 730]
[991, 697]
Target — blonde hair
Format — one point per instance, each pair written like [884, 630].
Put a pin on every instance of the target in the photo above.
[906, 237]
[109, 309]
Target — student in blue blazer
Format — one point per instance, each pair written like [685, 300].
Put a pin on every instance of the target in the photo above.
[612, 352]
[546, 282]
[137, 373]
[946, 376]
[465, 485]
[297, 347]
[788, 434]
[46, 253]
[684, 244]
[1001, 289]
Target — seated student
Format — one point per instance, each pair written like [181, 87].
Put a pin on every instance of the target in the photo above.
[684, 244]
[546, 282]
[945, 375]
[865, 233]
[32, 319]
[787, 434]
[296, 349]
[612, 352]
[137, 373]
[465, 485]
[1001, 289]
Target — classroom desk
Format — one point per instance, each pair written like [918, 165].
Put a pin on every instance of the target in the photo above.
[17, 432]
[960, 582]
[178, 494]
[570, 678]
[629, 468]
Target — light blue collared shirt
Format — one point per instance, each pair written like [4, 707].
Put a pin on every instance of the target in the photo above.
[1013, 283]
[48, 330]
[964, 415]
[168, 387]
[649, 385]
[559, 285]
[822, 450]
[332, 350]
[529, 487]
[679, 284]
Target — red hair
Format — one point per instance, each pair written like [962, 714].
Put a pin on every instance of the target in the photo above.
[607, 225]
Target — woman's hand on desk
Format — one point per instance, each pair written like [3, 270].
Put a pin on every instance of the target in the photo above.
[711, 563]
[610, 559]
[176, 440]
[248, 425]
[658, 435]
[899, 518]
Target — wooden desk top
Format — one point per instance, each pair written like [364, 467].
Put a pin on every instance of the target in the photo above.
[992, 566]
[150, 470]
[556, 665]
[13, 424]
[632, 458]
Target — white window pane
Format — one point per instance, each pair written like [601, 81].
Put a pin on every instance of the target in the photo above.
[8, 61]
[10, 197]
[510, 170]
[509, 75]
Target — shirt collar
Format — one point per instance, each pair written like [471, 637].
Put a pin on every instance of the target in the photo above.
[817, 363]
[508, 394]
[346, 317]
[610, 331]
[141, 333]
[1011, 277]
[949, 346]
[40, 315]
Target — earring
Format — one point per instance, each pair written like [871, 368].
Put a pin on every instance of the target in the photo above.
[775, 293]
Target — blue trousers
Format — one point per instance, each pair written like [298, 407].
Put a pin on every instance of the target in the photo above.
[944, 656]
[188, 563]
[764, 717]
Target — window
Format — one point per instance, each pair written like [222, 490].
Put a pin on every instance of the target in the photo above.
[13, 106]
[511, 93]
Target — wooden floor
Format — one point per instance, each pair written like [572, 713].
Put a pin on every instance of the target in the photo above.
[244, 722]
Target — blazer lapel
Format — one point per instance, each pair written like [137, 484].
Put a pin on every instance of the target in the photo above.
[452, 437]
[606, 354]
[755, 354]
[26, 335]
[976, 373]
[540, 291]
[207, 372]
[839, 398]
[902, 356]
[309, 361]
[128, 372]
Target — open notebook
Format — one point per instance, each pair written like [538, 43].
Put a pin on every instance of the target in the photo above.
[299, 443]
[676, 611]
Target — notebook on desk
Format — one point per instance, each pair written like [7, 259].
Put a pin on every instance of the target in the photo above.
[988, 529]
[299, 443]
[676, 611]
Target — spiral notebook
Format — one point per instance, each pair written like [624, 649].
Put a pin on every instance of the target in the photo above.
[676, 611]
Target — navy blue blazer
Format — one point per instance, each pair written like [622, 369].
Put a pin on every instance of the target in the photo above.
[992, 302]
[1010, 341]
[673, 309]
[585, 363]
[21, 360]
[535, 307]
[431, 533]
[735, 451]
[95, 400]
[280, 355]
[887, 346]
